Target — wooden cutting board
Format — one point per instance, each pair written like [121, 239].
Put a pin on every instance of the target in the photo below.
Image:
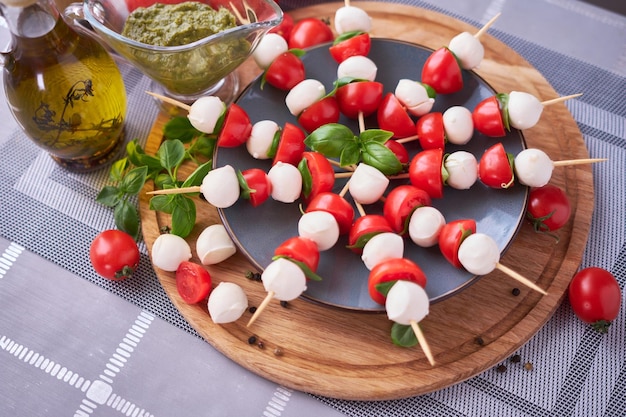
[349, 355]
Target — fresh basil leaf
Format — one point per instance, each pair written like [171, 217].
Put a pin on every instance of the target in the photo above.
[243, 186]
[163, 180]
[350, 154]
[134, 180]
[297, 52]
[127, 218]
[171, 153]
[403, 335]
[162, 202]
[271, 152]
[203, 145]
[307, 178]
[196, 177]
[183, 216]
[331, 139]
[362, 240]
[429, 90]
[138, 157]
[503, 100]
[384, 287]
[381, 158]
[116, 173]
[109, 196]
[347, 35]
[180, 128]
[375, 135]
[307, 271]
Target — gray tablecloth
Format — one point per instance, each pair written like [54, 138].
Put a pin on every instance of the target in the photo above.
[72, 343]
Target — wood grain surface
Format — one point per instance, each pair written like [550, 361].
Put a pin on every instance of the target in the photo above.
[349, 355]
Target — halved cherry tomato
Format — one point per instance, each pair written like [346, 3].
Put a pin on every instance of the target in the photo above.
[548, 208]
[319, 113]
[595, 297]
[300, 249]
[291, 145]
[385, 274]
[321, 173]
[285, 71]
[285, 27]
[393, 117]
[114, 254]
[358, 44]
[487, 118]
[236, 129]
[398, 150]
[364, 228]
[442, 72]
[425, 171]
[336, 205]
[430, 131]
[193, 282]
[451, 236]
[495, 168]
[359, 97]
[259, 185]
[400, 204]
[309, 32]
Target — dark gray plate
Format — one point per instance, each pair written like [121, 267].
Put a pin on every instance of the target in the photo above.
[258, 231]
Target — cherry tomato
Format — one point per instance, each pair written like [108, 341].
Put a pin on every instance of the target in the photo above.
[319, 113]
[548, 208]
[442, 72]
[193, 282]
[291, 145]
[400, 204]
[114, 254]
[385, 274]
[309, 32]
[595, 297]
[451, 236]
[495, 168]
[487, 118]
[364, 228]
[398, 150]
[336, 205]
[300, 249]
[430, 131]
[393, 117]
[358, 44]
[359, 97]
[285, 71]
[259, 185]
[425, 171]
[236, 129]
[285, 27]
[321, 173]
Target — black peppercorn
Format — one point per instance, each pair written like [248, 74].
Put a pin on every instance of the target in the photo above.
[252, 309]
[284, 304]
[515, 292]
[252, 340]
[480, 340]
[516, 358]
[501, 368]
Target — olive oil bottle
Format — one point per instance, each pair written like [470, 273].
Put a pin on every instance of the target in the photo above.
[63, 88]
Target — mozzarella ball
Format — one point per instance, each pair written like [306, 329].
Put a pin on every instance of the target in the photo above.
[367, 184]
[351, 18]
[270, 46]
[382, 247]
[425, 225]
[360, 67]
[168, 251]
[406, 302]
[303, 95]
[321, 227]
[220, 187]
[286, 182]
[261, 137]
[524, 110]
[414, 96]
[462, 168]
[227, 303]
[214, 245]
[205, 112]
[468, 49]
[458, 125]
[285, 279]
[479, 254]
[533, 167]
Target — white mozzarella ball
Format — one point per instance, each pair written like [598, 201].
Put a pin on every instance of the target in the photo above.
[269, 48]
[406, 302]
[367, 184]
[524, 110]
[303, 95]
[261, 137]
[479, 254]
[533, 167]
[468, 49]
[285, 279]
[220, 187]
[351, 18]
[360, 67]
[169, 251]
[286, 182]
[227, 303]
[205, 112]
[321, 227]
[458, 125]
[462, 168]
[214, 245]
[414, 97]
[425, 225]
[382, 247]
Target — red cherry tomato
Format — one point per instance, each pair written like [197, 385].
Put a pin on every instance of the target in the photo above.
[595, 297]
[193, 282]
[236, 129]
[425, 172]
[364, 228]
[300, 249]
[393, 117]
[442, 72]
[319, 113]
[385, 274]
[114, 254]
[487, 118]
[548, 208]
[451, 236]
[495, 168]
[309, 32]
[357, 45]
[400, 204]
[285, 27]
[359, 97]
[285, 71]
[322, 175]
[430, 131]
[259, 185]
[291, 145]
[336, 205]
[398, 150]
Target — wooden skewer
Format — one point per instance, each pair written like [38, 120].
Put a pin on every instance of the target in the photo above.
[521, 279]
[407, 139]
[344, 174]
[184, 190]
[170, 101]
[560, 99]
[487, 26]
[359, 208]
[422, 341]
[344, 190]
[400, 176]
[583, 161]
[261, 307]
[361, 122]
[238, 15]
[337, 164]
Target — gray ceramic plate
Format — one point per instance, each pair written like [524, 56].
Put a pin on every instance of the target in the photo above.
[258, 231]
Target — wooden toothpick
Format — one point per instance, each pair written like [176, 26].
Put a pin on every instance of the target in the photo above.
[183, 190]
[422, 341]
[170, 101]
[583, 161]
[519, 278]
[560, 99]
[261, 307]
[487, 26]
[407, 139]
